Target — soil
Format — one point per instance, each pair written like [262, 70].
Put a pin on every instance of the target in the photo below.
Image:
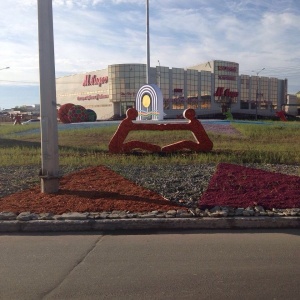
[238, 186]
[95, 189]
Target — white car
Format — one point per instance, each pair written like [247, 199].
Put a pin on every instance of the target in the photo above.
[30, 121]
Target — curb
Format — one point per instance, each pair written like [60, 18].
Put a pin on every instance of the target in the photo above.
[148, 224]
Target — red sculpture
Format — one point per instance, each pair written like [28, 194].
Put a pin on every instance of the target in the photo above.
[77, 113]
[281, 115]
[63, 112]
[202, 144]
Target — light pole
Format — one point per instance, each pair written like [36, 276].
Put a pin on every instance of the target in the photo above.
[49, 133]
[256, 101]
[158, 73]
[148, 43]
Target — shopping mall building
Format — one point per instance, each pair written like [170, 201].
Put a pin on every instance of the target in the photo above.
[210, 89]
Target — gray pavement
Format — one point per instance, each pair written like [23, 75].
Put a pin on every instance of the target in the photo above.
[200, 264]
[73, 223]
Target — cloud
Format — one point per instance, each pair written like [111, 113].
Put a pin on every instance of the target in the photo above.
[90, 34]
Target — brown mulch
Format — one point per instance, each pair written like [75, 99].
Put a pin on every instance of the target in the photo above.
[94, 189]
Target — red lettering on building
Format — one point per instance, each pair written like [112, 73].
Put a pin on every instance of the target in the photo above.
[219, 92]
[227, 68]
[92, 97]
[227, 93]
[94, 80]
[227, 77]
[178, 90]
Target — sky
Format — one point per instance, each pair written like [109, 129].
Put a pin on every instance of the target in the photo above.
[91, 34]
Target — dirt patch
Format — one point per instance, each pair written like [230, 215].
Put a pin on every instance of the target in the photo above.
[94, 189]
[238, 186]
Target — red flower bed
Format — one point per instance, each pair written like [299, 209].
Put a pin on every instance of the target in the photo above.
[238, 186]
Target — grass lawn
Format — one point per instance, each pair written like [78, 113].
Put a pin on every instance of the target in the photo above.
[274, 143]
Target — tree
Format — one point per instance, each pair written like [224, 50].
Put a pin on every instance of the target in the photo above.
[22, 108]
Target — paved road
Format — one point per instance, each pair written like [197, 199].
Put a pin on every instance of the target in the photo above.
[152, 265]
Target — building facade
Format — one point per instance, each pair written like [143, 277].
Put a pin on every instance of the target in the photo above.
[210, 89]
[292, 106]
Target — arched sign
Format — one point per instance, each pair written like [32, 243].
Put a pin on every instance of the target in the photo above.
[149, 103]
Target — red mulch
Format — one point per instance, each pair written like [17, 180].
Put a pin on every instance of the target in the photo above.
[95, 189]
[238, 186]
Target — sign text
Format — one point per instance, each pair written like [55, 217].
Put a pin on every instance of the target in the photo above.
[94, 80]
[227, 93]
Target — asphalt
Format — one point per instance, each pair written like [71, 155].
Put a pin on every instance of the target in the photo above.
[90, 225]
[203, 264]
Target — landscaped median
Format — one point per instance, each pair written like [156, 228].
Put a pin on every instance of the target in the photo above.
[257, 187]
[98, 198]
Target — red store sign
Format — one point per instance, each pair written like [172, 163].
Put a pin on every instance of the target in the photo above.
[94, 80]
[227, 77]
[227, 93]
[178, 90]
[227, 68]
[92, 97]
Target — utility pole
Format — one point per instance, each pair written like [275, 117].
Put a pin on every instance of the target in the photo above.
[49, 135]
[148, 43]
[256, 100]
[158, 73]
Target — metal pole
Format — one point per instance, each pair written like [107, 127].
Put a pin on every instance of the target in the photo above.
[256, 100]
[49, 136]
[148, 43]
[158, 74]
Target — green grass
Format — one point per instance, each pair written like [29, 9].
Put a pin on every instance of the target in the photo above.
[269, 144]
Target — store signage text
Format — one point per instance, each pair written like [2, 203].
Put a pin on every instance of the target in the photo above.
[92, 97]
[227, 68]
[94, 80]
[178, 90]
[226, 77]
[123, 94]
[227, 93]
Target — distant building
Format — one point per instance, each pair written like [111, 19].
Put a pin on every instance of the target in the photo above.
[298, 102]
[28, 112]
[32, 109]
[291, 106]
[211, 88]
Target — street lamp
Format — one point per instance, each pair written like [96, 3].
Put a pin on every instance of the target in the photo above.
[256, 101]
[158, 74]
[147, 43]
